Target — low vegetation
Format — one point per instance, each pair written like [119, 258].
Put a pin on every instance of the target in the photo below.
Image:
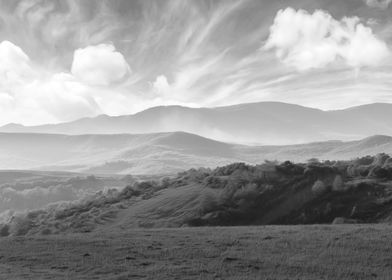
[350, 252]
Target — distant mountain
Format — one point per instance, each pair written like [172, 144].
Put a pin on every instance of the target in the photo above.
[253, 123]
[160, 153]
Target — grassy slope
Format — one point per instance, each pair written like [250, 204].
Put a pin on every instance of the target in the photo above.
[233, 195]
[269, 252]
[167, 208]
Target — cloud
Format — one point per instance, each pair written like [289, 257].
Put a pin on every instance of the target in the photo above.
[382, 4]
[61, 96]
[6, 101]
[14, 63]
[99, 65]
[307, 41]
[31, 95]
[181, 52]
[161, 85]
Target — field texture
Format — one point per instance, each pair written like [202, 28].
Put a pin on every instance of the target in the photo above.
[265, 252]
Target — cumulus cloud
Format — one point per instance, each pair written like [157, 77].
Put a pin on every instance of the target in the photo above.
[382, 4]
[32, 95]
[307, 41]
[15, 64]
[61, 96]
[99, 65]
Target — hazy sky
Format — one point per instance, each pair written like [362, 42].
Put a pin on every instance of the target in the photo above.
[61, 60]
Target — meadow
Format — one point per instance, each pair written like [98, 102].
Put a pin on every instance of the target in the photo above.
[251, 252]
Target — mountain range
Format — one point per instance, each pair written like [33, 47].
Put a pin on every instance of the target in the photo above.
[160, 153]
[264, 123]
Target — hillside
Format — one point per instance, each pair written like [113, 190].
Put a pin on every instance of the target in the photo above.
[358, 191]
[136, 154]
[160, 153]
[254, 123]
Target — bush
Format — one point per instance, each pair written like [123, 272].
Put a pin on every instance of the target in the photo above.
[380, 172]
[338, 184]
[248, 192]
[229, 169]
[214, 182]
[4, 230]
[20, 225]
[319, 187]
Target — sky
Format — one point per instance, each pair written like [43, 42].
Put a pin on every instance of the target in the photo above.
[61, 60]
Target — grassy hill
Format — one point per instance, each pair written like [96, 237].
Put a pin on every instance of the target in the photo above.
[358, 191]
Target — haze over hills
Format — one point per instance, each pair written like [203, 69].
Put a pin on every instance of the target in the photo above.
[160, 153]
[254, 123]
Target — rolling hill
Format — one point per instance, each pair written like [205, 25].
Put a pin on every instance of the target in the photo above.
[357, 191]
[254, 123]
[160, 153]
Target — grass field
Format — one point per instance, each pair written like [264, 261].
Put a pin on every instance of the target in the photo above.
[267, 252]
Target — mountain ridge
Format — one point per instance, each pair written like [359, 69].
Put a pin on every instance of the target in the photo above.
[261, 123]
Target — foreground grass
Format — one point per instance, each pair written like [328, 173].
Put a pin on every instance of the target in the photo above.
[267, 252]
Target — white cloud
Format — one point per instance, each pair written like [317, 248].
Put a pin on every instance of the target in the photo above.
[62, 96]
[58, 97]
[30, 95]
[306, 41]
[161, 85]
[188, 82]
[99, 65]
[382, 4]
[14, 63]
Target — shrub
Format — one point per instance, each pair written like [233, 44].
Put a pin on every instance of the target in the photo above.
[20, 225]
[380, 172]
[214, 182]
[367, 160]
[4, 230]
[338, 184]
[313, 161]
[246, 197]
[229, 169]
[319, 187]
[287, 168]
[380, 159]
[249, 192]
